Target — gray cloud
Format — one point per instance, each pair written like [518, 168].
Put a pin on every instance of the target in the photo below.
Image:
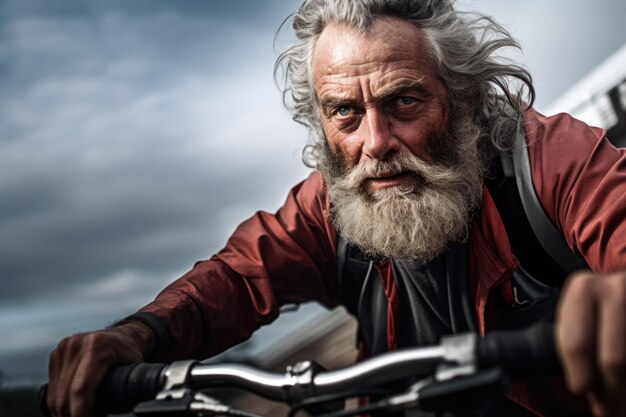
[117, 150]
[249, 12]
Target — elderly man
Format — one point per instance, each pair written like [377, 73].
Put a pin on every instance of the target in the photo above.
[409, 109]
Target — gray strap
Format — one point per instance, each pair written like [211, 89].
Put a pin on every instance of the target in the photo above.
[548, 235]
[372, 312]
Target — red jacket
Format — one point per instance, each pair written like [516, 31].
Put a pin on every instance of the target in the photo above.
[290, 256]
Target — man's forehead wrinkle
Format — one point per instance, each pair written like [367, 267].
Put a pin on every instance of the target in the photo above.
[352, 66]
[339, 43]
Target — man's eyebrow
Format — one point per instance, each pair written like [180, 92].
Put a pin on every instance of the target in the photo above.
[332, 102]
[402, 87]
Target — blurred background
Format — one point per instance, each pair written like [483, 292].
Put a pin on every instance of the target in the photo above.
[134, 136]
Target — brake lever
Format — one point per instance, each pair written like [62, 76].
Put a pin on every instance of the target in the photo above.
[467, 390]
[439, 388]
[208, 406]
[177, 402]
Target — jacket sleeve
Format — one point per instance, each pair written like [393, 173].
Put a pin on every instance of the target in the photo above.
[580, 178]
[270, 260]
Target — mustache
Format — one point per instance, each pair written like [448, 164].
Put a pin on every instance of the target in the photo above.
[425, 173]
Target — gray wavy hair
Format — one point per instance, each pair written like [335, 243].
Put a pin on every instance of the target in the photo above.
[465, 48]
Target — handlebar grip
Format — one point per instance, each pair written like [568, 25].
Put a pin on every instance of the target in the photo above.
[524, 353]
[122, 388]
[125, 386]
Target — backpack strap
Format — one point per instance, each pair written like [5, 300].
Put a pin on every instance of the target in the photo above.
[362, 293]
[517, 165]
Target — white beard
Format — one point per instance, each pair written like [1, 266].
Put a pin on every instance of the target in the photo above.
[412, 221]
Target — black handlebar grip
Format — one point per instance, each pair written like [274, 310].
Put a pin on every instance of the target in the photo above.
[122, 388]
[125, 386]
[531, 352]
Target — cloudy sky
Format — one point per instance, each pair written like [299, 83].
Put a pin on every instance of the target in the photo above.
[135, 135]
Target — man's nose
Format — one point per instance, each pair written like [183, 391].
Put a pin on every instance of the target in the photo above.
[378, 139]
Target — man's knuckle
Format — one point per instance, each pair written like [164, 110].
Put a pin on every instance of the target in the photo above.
[576, 349]
[92, 343]
[64, 344]
[582, 283]
[78, 390]
[615, 287]
[54, 356]
[578, 287]
[74, 344]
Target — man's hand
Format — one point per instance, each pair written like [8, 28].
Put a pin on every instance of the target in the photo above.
[79, 363]
[591, 339]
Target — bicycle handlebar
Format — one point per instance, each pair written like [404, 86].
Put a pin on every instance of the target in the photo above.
[519, 353]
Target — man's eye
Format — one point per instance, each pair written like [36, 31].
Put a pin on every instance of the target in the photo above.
[343, 110]
[405, 101]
